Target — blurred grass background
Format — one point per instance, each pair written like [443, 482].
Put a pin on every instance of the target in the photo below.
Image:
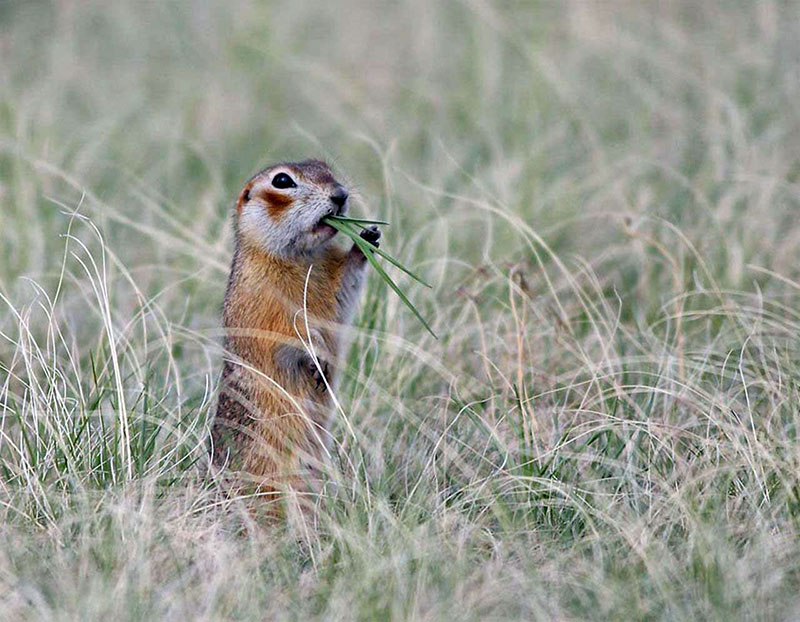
[605, 196]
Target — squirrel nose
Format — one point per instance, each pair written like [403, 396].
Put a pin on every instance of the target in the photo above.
[339, 196]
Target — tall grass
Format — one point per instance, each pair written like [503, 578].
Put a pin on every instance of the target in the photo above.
[604, 197]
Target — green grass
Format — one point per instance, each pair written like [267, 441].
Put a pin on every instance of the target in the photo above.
[351, 227]
[604, 197]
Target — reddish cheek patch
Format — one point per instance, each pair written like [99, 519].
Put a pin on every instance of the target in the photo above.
[276, 203]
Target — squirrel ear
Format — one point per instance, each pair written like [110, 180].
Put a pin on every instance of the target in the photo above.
[244, 197]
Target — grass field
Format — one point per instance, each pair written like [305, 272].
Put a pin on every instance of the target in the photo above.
[606, 198]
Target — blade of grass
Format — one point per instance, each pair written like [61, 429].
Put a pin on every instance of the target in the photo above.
[368, 250]
[353, 233]
[406, 301]
[364, 221]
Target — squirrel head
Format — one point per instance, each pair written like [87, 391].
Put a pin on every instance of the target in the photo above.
[280, 209]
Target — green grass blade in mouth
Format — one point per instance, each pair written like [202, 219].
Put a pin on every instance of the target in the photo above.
[360, 221]
[353, 233]
[347, 227]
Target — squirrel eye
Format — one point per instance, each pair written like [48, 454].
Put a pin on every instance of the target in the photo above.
[282, 180]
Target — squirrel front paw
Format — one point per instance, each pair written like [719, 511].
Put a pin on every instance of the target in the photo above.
[369, 234]
[372, 235]
[298, 364]
[318, 373]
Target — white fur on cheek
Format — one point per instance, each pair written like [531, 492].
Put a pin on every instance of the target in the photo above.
[292, 233]
[256, 226]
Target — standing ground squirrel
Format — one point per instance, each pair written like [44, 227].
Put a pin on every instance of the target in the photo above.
[290, 287]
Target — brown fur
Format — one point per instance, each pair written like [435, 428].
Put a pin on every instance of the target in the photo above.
[315, 171]
[271, 423]
[277, 439]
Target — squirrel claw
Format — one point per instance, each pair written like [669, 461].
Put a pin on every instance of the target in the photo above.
[318, 372]
[372, 235]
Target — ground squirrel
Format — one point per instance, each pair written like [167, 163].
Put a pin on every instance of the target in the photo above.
[291, 289]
